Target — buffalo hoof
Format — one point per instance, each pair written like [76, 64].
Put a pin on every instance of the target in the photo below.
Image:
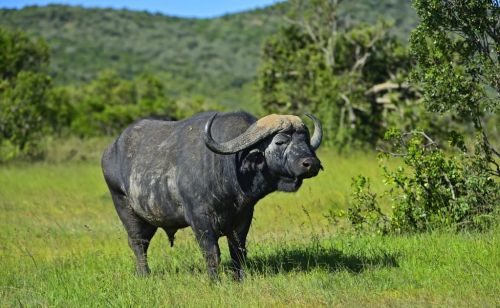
[239, 275]
[143, 272]
[213, 275]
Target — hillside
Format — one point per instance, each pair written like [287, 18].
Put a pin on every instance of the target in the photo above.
[211, 57]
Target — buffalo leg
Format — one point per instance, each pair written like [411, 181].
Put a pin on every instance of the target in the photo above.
[139, 233]
[238, 251]
[237, 245]
[209, 245]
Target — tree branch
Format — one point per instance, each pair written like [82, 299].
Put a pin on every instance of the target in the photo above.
[453, 196]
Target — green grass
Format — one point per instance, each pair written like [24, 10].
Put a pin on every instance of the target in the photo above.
[61, 244]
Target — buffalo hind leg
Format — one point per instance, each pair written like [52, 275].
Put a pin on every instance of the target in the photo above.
[139, 233]
[209, 245]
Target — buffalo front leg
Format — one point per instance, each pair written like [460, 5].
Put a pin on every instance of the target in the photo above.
[238, 251]
[236, 240]
[209, 245]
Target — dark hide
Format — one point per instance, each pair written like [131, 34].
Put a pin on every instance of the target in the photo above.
[161, 174]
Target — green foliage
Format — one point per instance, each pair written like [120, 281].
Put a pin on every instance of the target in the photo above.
[324, 68]
[365, 213]
[60, 111]
[32, 109]
[214, 58]
[440, 191]
[188, 107]
[20, 53]
[457, 47]
[23, 92]
[432, 191]
[22, 102]
[109, 103]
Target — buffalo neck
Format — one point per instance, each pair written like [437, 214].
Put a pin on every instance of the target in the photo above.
[253, 185]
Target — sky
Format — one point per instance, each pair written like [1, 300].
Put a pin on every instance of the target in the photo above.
[181, 8]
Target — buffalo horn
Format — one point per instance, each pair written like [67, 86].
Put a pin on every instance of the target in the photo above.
[251, 136]
[318, 132]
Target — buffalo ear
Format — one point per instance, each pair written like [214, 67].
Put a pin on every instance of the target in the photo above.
[253, 161]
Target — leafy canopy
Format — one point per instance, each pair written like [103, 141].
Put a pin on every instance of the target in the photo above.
[457, 47]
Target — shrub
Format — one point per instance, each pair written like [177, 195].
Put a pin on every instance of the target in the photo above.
[365, 212]
[432, 190]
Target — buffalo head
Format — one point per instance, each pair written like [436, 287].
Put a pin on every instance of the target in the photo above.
[278, 146]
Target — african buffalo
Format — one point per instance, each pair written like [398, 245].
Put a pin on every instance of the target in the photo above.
[206, 172]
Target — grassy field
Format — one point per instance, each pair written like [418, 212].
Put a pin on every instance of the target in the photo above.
[61, 244]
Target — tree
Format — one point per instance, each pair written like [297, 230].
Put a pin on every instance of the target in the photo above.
[319, 64]
[109, 103]
[60, 112]
[19, 53]
[457, 49]
[23, 91]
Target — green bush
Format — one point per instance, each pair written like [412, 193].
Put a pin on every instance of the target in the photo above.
[432, 190]
[365, 213]
[109, 103]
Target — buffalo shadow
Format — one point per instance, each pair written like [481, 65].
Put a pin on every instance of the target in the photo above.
[307, 258]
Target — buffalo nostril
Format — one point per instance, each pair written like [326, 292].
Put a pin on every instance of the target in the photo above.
[310, 166]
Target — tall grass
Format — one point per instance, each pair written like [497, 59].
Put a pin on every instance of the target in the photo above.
[61, 244]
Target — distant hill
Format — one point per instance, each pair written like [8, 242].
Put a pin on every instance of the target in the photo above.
[210, 57]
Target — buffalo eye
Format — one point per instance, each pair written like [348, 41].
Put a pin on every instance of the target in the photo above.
[282, 139]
